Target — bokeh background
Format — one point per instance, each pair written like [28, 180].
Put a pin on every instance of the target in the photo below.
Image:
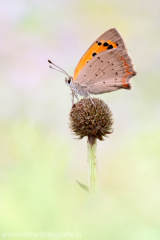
[40, 160]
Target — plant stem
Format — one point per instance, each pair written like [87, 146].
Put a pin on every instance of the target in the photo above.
[92, 167]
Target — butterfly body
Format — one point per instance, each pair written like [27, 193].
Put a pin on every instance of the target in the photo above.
[76, 89]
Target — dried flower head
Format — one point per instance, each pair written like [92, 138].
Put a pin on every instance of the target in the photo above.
[90, 120]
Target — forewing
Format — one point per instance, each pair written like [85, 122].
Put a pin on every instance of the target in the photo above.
[111, 39]
[108, 70]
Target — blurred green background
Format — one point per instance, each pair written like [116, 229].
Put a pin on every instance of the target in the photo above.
[39, 157]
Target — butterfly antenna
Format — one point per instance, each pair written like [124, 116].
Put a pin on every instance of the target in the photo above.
[57, 70]
[62, 71]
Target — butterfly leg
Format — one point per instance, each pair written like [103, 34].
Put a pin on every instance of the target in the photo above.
[72, 98]
[74, 94]
[90, 98]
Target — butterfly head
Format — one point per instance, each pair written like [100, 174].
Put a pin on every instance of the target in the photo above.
[68, 81]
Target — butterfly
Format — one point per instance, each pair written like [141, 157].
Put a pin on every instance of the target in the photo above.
[105, 67]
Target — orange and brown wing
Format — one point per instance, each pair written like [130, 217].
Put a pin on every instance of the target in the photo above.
[109, 40]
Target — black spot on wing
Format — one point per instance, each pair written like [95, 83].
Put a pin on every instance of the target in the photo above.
[99, 43]
[94, 54]
[110, 47]
[105, 44]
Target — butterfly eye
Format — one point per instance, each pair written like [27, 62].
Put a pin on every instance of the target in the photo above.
[69, 81]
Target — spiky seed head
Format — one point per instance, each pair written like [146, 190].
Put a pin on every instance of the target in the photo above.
[91, 120]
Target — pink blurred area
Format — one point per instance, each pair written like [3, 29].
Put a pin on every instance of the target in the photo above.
[34, 31]
[33, 96]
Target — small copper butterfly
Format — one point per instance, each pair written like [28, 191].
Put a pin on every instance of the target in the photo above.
[105, 67]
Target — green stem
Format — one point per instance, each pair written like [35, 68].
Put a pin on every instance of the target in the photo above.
[92, 167]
